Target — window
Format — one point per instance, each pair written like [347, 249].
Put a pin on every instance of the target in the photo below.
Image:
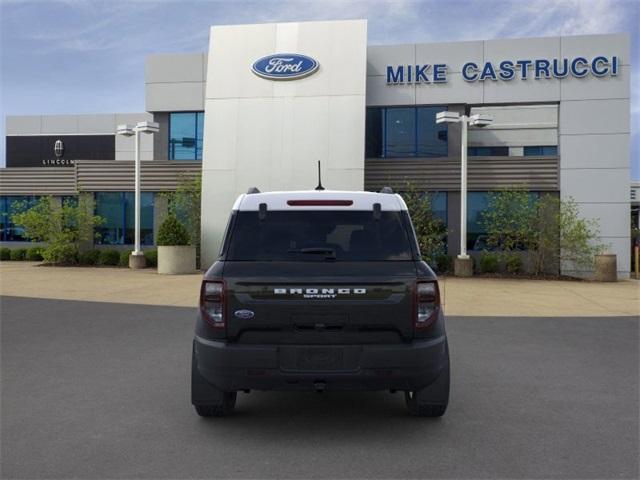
[315, 235]
[117, 209]
[488, 151]
[10, 232]
[541, 151]
[405, 132]
[185, 135]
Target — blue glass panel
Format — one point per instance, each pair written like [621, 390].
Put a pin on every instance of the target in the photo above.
[373, 135]
[400, 130]
[185, 135]
[488, 151]
[10, 205]
[199, 134]
[146, 218]
[432, 137]
[477, 203]
[109, 207]
[538, 151]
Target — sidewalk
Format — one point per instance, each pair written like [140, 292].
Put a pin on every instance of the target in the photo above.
[461, 296]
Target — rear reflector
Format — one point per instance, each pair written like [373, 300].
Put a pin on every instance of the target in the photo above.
[319, 203]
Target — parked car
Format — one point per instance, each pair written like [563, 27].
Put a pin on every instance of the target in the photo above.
[320, 290]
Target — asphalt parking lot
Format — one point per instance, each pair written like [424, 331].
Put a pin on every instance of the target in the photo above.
[101, 390]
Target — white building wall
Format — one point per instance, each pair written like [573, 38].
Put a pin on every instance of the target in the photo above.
[593, 119]
[270, 134]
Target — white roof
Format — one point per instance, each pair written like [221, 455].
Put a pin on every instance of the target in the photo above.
[281, 200]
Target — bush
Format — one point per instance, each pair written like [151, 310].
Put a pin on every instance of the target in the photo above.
[444, 263]
[124, 258]
[5, 253]
[109, 257]
[489, 263]
[90, 257]
[61, 254]
[513, 263]
[61, 227]
[172, 232]
[34, 254]
[152, 258]
[431, 231]
[18, 254]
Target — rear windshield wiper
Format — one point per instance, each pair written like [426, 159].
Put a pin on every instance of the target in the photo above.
[329, 253]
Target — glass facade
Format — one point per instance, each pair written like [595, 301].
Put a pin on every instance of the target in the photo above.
[117, 209]
[10, 232]
[405, 132]
[488, 151]
[185, 135]
[541, 151]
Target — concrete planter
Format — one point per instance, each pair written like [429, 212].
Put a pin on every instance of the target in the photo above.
[175, 260]
[606, 268]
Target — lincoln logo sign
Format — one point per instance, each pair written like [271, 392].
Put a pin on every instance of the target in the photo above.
[285, 66]
[58, 148]
[506, 70]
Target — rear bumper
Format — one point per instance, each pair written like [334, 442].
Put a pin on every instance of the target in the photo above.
[232, 367]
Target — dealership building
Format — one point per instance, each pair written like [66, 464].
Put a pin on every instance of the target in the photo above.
[268, 101]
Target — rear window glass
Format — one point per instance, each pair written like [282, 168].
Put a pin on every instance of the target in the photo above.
[308, 235]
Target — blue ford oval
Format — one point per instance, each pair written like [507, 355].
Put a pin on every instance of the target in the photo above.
[285, 66]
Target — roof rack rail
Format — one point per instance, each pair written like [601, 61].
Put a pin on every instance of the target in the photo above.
[386, 190]
[253, 190]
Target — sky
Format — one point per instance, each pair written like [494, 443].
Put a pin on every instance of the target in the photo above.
[87, 56]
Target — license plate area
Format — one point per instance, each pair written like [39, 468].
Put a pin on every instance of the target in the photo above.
[319, 358]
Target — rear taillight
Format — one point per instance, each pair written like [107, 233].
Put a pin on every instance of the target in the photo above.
[212, 299]
[427, 303]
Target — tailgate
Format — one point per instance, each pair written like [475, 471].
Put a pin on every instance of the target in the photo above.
[319, 303]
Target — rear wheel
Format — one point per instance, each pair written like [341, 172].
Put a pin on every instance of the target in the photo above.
[208, 400]
[432, 400]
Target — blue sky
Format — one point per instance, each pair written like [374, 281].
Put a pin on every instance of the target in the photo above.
[77, 56]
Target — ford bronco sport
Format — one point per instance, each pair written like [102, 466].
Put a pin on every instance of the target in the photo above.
[320, 290]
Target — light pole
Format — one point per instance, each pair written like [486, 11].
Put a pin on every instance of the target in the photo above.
[136, 259]
[463, 264]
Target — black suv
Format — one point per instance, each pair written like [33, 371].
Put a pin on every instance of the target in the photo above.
[320, 290]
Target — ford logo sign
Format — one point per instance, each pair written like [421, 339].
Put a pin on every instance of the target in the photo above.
[285, 66]
[243, 314]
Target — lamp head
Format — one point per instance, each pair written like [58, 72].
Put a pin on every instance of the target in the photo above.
[480, 120]
[126, 130]
[447, 117]
[148, 127]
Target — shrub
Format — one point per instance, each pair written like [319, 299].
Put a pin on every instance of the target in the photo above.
[61, 227]
[90, 257]
[124, 258]
[444, 263]
[431, 231]
[152, 258]
[489, 263]
[60, 254]
[34, 254]
[109, 257]
[513, 263]
[18, 254]
[5, 253]
[172, 232]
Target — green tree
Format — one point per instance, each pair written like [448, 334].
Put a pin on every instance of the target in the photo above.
[509, 219]
[61, 227]
[430, 230]
[185, 204]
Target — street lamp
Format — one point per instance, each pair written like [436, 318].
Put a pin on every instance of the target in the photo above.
[463, 264]
[136, 259]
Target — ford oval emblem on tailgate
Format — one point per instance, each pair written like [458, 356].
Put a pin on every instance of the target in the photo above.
[244, 314]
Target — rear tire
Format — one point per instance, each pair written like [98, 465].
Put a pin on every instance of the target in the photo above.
[432, 400]
[208, 400]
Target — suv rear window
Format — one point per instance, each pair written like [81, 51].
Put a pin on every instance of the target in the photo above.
[309, 235]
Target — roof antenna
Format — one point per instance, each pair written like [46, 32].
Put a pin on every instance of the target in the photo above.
[319, 187]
